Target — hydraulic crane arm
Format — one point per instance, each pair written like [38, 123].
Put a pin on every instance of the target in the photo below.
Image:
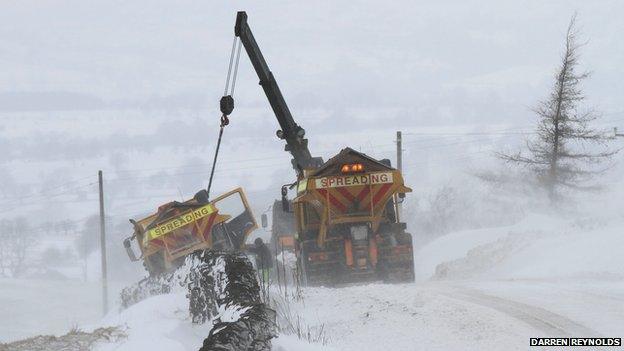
[294, 134]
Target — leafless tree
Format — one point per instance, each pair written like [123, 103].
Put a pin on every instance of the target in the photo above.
[444, 210]
[17, 242]
[88, 241]
[567, 152]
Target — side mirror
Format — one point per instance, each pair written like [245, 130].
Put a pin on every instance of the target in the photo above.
[264, 220]
[401, 195]
[128, 245]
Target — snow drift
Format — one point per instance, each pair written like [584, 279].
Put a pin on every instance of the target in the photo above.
[537, 248]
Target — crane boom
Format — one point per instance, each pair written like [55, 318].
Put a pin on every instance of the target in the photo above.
[291, 132]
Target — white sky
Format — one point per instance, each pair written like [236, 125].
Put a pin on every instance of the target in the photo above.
[485, 58]
[352, 72]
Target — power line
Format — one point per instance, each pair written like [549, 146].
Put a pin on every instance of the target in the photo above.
[473, 133]
[194, 173]
[425, 147]
[134, 178]
[450, 159]
[200, 165]
[44, 195]
[45, 227]
[441, 136]
[427, 142]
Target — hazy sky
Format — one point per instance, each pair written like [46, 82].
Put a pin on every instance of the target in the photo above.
[144, 79]
[441, 60]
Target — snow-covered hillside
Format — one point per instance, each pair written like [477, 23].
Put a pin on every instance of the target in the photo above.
[538, 247]
[486, 289]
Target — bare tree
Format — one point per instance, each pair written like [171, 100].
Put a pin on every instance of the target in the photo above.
[561, 156]
[5, 226]
[17, 242]
[88, 241]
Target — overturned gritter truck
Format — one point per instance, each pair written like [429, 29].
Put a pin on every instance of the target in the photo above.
[196, 246]
[177, 229]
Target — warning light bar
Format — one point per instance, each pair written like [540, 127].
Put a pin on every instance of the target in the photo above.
[352, 168]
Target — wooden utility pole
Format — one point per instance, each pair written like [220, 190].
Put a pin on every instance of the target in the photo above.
[399, 144]
[103, 247]
[399, 151]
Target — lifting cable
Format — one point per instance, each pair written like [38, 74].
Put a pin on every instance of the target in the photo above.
[227, 102]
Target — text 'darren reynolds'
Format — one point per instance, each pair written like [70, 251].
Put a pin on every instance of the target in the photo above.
[575, 342]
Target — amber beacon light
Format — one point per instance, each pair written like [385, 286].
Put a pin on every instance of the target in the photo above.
[352, 168]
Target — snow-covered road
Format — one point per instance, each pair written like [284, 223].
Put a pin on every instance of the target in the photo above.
[461, 315]
[434, 315]
[485, 289]
[546, 322]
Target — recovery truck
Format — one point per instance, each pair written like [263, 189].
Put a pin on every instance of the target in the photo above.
[347, 227]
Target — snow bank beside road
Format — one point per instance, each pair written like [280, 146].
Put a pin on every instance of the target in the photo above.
[451, 247]
[405, 317]
[30, 307]
[579, 252]
[538, 247]
[160, 323]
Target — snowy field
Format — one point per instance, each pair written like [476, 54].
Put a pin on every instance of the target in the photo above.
[481, 293]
